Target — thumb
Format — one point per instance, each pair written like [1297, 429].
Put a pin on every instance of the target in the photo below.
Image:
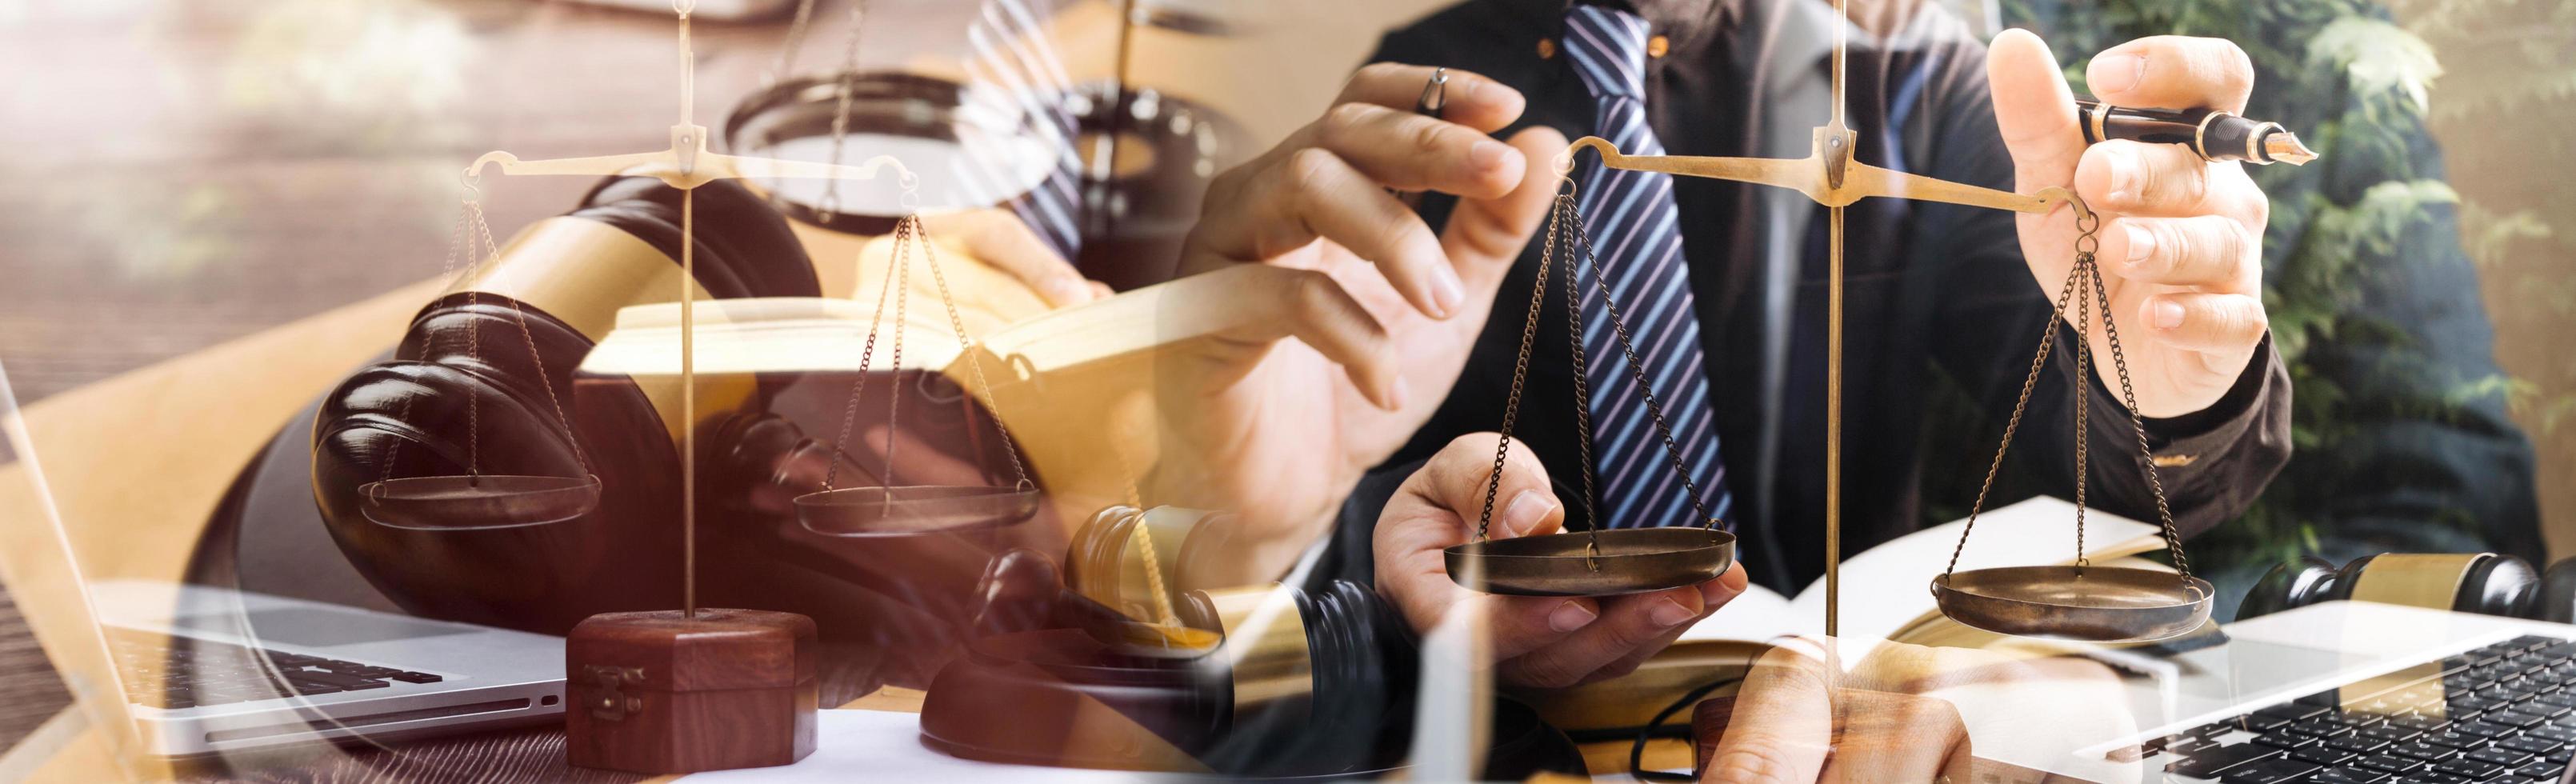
[1520, 501]
[1485, 236]
[2034, 110]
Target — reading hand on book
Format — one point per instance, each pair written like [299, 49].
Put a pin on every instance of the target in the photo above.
[1538, 642]
[1901, 713]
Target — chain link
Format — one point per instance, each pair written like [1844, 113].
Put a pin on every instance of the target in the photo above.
[2138, 425]
[930, 255]
[1520, 369]
[2030, 381]
[529, 338]
[867, 360]
[2079, 384]
[1582, 402]
[1637, 368]
[2086, 270]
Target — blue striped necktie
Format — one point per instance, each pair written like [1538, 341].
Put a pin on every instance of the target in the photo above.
[1638, 242]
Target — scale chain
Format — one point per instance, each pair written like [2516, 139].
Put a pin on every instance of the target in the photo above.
[1637, 368]
[909, 232]
[2080, 386]
[930, 256]
[1520, 373]
[867, 359]
[894, 364]
[2138, 425]
[2047, 340]
[528, 337]
[2086, 270]
[1582, 398]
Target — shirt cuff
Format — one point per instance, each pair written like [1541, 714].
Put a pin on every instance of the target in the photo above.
[2182, 440]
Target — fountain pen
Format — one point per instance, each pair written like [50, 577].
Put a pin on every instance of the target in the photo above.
[2215, 135]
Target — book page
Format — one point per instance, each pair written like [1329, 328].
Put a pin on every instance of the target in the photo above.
[1757, 616]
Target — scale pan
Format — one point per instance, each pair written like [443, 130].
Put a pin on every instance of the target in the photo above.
[1631, 560]
[2092, 604]
[913, 509]
[469, 503]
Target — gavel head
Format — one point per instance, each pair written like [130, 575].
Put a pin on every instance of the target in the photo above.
[484, 382]
[2483, 583]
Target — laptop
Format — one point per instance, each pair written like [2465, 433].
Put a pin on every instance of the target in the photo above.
[178, 671]
[211, 670]
[2335, 692]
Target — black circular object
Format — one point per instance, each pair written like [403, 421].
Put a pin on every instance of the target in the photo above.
[971, 148]
[1629, 560]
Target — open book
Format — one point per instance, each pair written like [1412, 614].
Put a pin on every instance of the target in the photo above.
[1886, 590]
[1075, 385]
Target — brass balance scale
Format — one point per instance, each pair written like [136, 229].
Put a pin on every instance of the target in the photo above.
[2078, 601]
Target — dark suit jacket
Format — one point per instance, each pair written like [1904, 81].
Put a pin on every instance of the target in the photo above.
[1930, 290]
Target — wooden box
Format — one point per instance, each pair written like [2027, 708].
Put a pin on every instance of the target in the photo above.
[655, 692]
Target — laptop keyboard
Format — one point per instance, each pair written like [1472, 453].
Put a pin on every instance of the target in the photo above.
[166, 672]
[2503, 713]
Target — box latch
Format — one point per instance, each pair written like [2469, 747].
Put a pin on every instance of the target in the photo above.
[610, 703]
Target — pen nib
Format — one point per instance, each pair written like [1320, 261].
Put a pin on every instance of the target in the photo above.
[2284, 147]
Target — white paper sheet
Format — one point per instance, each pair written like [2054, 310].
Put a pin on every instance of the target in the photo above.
[1890, 585]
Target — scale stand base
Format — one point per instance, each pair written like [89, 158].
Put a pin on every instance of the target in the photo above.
[660, 692]
[1629, 560]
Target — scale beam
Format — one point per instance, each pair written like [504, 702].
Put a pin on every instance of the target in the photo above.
[1815, 176]
[688, 164]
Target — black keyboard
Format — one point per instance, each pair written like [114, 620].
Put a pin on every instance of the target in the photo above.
[165, 672]
[2504, 713]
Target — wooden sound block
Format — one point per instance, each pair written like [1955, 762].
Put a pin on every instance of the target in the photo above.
[657, 692]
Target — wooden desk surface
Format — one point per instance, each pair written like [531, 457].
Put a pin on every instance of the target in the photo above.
[209, 172]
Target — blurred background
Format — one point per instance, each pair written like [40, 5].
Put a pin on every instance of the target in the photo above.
[186, 173]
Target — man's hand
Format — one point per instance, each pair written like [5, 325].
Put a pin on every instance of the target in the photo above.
[999, 239]
[2181, 238]
[1538, 642]
[1801, 717]
[1382, 309]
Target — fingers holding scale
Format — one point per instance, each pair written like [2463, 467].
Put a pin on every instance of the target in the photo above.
[1484, 236]
[1714, 595]
[1438, 506]
[1628, 624]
